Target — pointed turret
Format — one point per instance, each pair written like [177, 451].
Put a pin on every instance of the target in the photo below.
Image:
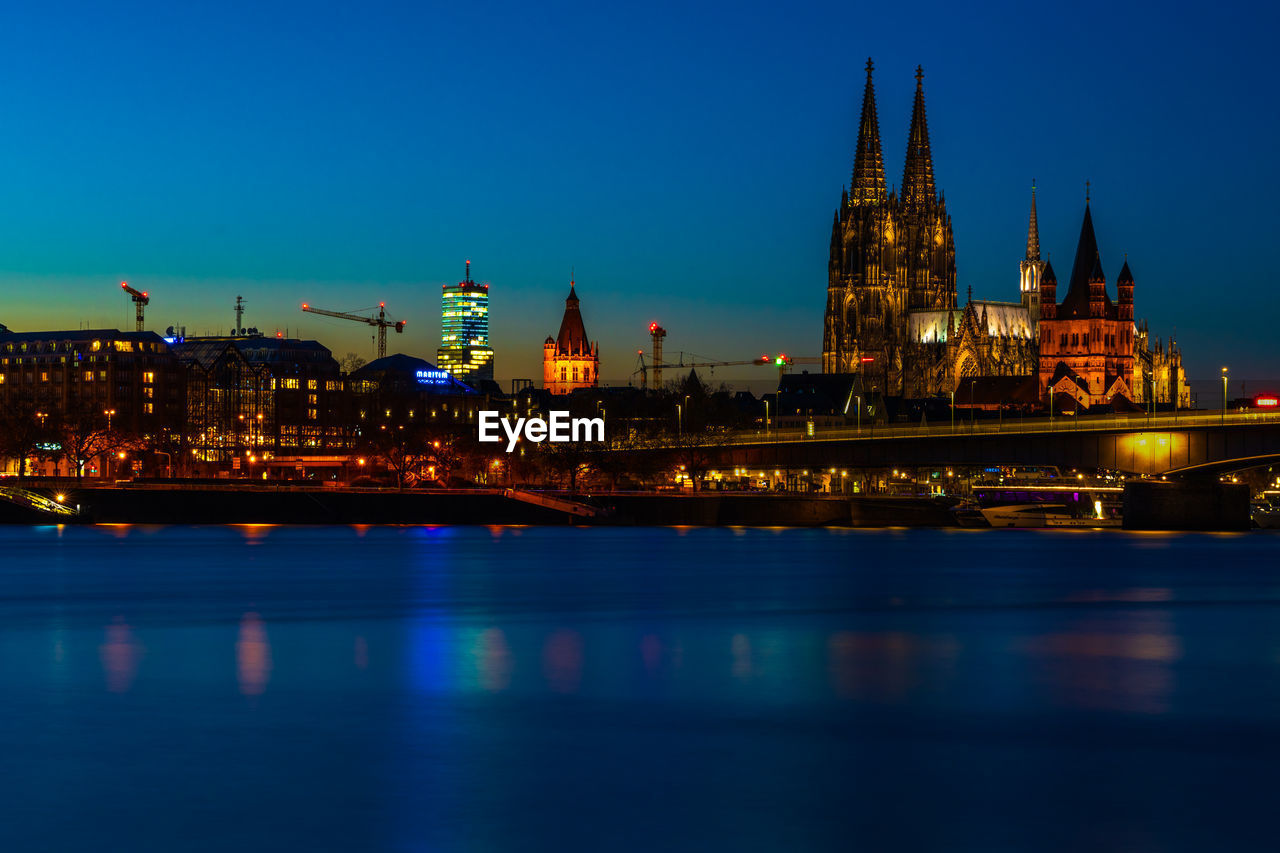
[918, 189]
[1124, 285]
[1033, 230]
[1097, 289]
[1086, 266]
[867, 185]
[572, 339]
[1048, 293]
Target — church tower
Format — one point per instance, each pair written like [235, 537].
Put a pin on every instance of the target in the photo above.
[1032, 268]
[889, 255]
[569, 360]
[929, 262]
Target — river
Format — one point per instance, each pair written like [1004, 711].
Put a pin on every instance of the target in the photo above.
[506, 688]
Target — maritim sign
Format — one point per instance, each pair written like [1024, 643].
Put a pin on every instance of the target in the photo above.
[559, 427]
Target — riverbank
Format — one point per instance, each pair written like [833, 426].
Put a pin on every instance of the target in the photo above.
[226, 504]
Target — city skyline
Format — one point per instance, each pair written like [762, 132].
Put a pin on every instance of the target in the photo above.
[690, 179]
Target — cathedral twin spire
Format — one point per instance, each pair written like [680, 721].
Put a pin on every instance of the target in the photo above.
[867, 186]
[918, 190]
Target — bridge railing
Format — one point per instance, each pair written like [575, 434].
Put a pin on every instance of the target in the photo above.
[34, 500]
[1085, 423]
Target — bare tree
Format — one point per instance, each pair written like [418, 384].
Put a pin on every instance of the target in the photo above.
[24, 432]
[351, 362]
[693, 449]
[85, 436]
[403, 450]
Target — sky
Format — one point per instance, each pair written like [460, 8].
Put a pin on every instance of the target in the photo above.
[683, 159]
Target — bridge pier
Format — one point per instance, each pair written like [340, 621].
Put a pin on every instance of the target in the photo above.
[1186, 505]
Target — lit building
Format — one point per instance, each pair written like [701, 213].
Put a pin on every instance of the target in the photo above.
[464, 330]
[132, 375]
[1087, 342]
[569, 360]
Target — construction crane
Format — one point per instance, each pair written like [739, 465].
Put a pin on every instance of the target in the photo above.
[657, 333]
[657, 367]
[380, 321]
[784, 362]
[140, 300]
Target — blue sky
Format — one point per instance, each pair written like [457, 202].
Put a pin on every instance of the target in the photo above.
[684, 158]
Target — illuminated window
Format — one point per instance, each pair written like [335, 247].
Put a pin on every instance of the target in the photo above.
[148, 377]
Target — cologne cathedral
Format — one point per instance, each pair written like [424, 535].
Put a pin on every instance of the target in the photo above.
[891, 292]
[892, 313]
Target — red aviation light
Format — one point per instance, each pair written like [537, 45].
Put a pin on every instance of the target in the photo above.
[123, 285]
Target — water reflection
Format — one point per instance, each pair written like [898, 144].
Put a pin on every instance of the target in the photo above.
[471, 673]
[121, 654]
[493, 659]
[562, 660]
[253, 655]
[1121, 665]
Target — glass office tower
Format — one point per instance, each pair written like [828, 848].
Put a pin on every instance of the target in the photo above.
[464, 330]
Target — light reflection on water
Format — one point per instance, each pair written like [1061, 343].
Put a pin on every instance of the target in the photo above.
[395, 688]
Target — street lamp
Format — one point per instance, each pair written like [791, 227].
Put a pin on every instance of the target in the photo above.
[110, 413]
[679, 420]
[766, 418]
[1224, 396]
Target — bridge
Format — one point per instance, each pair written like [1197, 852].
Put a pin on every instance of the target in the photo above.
[36, 502]
[1184, 443]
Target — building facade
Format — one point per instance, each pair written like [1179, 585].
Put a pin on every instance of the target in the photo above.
[130, 380]
[569, 360]
[1158, 377]
[891, 255]
[250, 398]
[464, 330]
[893, 318]
[1087, 341]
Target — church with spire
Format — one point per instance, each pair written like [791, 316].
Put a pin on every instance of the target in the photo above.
[569, 360]
[892, 313]
[893, 318]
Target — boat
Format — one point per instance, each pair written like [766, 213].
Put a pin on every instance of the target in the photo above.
[1041, 515]
[1265, 515]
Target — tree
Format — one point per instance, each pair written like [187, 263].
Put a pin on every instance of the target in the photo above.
[85, 435]
[692, 449]
[24, 432]
[403, 449]
[567, 461]
[351, 362]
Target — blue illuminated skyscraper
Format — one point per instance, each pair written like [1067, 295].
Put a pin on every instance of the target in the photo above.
[464, 330]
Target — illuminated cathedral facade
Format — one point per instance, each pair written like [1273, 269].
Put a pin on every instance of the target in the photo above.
[892, 315]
